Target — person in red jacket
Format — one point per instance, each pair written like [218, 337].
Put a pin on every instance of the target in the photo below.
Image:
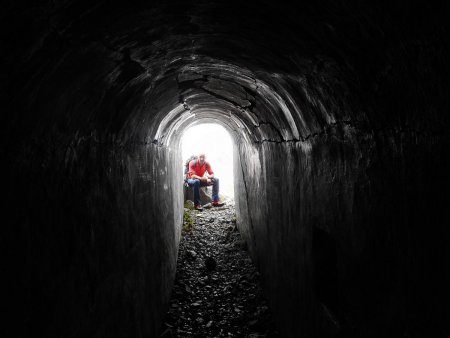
[197, 179]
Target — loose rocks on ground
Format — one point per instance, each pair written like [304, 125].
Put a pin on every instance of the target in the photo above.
[217, 291]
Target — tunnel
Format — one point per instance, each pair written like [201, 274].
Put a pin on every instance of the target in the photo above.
[339, 114]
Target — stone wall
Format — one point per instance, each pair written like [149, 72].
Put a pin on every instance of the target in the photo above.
[94, 234]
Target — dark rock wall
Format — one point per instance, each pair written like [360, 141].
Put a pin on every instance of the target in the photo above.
[93, 215]
[340, 117]
[93, 239]
[339, 233]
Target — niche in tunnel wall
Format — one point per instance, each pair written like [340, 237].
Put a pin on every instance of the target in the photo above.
[325, 269]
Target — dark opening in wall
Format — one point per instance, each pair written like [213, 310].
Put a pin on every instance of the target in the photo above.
[325, 269]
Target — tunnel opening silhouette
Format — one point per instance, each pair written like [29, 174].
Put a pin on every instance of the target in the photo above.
[339, 118]
[216, 143]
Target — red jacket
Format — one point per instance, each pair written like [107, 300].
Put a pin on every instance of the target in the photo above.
[196, 169]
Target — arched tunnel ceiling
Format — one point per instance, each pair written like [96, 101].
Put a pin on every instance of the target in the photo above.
[140, 71]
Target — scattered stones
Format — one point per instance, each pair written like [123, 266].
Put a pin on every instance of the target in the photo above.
[219, 295]
[189, 205]
[210, 263]
[191, 254]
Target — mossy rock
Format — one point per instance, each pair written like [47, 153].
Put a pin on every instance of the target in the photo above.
[188, 222]
[188, 204]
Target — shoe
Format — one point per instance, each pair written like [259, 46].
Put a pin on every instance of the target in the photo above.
[217, 203]
[198, 207]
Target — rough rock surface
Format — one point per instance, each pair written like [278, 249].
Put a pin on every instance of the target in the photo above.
[205, 194]
[217, 290]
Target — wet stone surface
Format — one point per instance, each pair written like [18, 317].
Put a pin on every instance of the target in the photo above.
[217, 290]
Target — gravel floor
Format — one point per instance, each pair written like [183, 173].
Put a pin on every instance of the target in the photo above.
[217, 292]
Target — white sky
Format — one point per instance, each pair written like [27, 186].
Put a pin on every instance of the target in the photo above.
[216, 143]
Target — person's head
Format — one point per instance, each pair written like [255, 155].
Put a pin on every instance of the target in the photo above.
[201, 158]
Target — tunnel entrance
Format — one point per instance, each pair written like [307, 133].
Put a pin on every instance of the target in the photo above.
[217, 290]
[216, 143]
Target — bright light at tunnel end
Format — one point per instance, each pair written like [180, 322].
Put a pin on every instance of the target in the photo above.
[216, 143]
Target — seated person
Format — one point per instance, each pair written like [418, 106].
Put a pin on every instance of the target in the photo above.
[197, 179]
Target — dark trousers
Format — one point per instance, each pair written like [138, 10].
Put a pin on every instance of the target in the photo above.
[196, 184]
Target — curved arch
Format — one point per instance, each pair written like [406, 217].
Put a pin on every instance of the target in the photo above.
[259, 104]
